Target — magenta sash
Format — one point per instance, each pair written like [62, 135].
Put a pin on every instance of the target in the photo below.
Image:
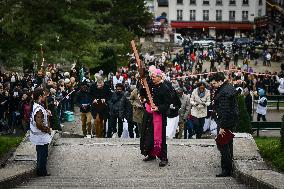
[158, 125]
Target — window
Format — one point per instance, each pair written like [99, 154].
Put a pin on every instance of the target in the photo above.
[179, 14]
[192, 15]
[245, 2]
[232, 2]
[206, 2]
[259, 13]
[179, 1]
[260, 2]
[232, 15]
[163, 3]
[205, 15]
[245, 15]
[192, 2]
[218, 15]
[219, 2]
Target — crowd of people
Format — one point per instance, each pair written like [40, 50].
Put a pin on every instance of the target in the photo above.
[109, 104]
[166, 99]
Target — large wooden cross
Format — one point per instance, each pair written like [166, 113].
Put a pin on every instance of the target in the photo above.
[141, 69]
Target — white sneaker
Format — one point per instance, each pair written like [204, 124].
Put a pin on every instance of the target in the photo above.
[114, 135]
[61, 125]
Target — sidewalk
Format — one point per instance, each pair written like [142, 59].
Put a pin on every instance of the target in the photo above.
[21, 166]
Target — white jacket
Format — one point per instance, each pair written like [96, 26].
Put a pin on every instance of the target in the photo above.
[199, 105]
[261, 109]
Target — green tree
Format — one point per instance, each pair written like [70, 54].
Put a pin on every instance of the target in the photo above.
[69, 30]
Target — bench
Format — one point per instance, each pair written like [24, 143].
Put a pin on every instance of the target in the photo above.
[275, 98]
[257, 126]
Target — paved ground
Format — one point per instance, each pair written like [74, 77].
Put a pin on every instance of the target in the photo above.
[117, 163]
[259, 68]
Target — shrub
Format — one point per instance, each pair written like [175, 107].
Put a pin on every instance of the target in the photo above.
[244, 124]
[282, 134]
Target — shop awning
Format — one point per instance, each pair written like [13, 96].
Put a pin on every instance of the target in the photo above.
[215, 25]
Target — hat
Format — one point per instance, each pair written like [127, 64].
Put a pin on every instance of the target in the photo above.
[261, 92]
[158, 72]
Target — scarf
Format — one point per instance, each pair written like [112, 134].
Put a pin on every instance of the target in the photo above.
[158, 124]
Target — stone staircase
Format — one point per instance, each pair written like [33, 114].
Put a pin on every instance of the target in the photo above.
[117, 163]
[83, 182]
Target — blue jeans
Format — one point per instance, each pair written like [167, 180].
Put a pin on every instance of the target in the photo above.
[42, 154]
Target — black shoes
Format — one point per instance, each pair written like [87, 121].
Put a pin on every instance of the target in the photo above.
[149, 158]
[45, 175]
[163, 163]
[224, 175]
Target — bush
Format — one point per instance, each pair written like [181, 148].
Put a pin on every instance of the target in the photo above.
[271, 151]
[244, 124]
[282, 133]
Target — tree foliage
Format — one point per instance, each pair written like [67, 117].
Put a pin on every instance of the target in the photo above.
[69, 30]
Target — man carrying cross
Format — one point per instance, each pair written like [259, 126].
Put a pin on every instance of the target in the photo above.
[153, 131]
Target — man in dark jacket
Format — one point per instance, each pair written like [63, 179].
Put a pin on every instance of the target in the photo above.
[100, 94]
[126, 111]
[227, 114]
[114, 104]
[248, 102]
[84, 102]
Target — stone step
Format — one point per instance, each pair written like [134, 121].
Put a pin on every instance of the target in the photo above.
[117, 163]
[81, 182]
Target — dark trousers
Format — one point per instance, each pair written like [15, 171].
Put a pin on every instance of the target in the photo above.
[198, 124]
[112, 126]
[130, 129]
[42, 154]
[226, 157]
[261, 116]
[188, 129]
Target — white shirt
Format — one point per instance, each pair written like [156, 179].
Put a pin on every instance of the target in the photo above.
[38, 137]
[116, 81]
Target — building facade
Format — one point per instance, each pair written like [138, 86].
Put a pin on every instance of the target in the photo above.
[278, 2]
[213, 16]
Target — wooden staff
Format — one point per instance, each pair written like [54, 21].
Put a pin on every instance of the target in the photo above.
[141, 68]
